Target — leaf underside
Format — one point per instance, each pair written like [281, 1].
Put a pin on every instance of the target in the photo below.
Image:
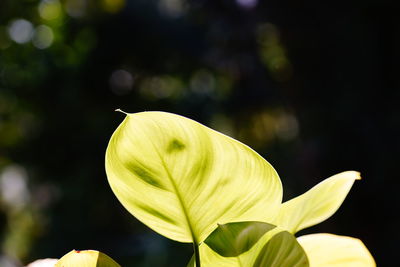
[181, 178]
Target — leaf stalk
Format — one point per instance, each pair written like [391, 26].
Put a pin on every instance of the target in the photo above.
[196, 254]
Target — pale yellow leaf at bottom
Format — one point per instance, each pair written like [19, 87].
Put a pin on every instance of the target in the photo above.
[328, 250]
[86, 258]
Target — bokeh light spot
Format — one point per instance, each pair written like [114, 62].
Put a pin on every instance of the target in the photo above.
[112, 6]
[75, 8]
[247, 3]
[172, 8]
[202, 82]
[43, 37]
[121, 82]
[160, 87]
[5, 261]
[273, 53]
[267, 126]
[20, 31]
[267, 34]
[50, 9]
[13, 186]
[287, 126]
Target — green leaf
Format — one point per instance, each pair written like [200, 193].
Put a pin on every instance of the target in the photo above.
[233, 239]
[181, 178]
[336, 251]
[282, 250]
[317, 204]
[274, 248]
[86, 258]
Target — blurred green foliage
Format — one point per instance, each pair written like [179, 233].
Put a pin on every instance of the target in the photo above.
[312, 88]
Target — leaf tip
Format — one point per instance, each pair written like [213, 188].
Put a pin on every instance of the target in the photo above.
[356, 175]
[120, 110]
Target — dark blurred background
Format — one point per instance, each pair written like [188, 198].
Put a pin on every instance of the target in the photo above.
[312, 86]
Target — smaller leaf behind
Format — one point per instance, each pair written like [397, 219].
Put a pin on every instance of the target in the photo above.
[317, 204]
[233, 239]
[86, 258]
[282, 250]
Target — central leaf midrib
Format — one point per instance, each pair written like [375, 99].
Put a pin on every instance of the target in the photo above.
[181, 202]
[177, 193]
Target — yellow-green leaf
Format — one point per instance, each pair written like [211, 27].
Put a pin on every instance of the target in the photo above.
[86, 258]
[233, 239]
[181, 178]
[327, 250]
[317, 204]
[282, 250]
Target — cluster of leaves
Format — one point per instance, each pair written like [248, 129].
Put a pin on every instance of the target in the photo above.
[192, 184]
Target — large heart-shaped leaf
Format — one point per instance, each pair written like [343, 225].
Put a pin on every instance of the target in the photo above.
[317, 204]
[336, 251]
[181, 178]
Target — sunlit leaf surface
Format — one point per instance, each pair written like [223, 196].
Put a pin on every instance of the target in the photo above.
[327, 250]
[317, 204]
[86, 258]
[233, 239]
[181, 178]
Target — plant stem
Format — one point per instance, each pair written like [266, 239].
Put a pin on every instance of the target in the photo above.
[196, 254]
